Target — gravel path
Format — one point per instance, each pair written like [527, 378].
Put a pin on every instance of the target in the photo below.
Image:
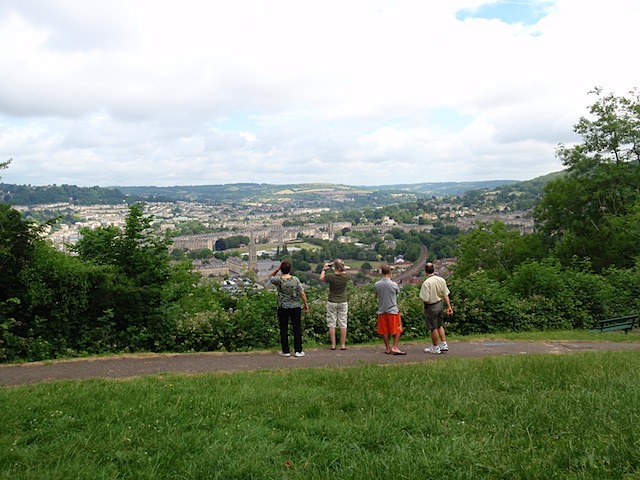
[125, 366]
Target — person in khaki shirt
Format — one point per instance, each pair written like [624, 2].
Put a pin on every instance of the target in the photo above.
[434, 294]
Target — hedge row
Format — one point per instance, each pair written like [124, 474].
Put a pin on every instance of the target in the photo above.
[537, 296]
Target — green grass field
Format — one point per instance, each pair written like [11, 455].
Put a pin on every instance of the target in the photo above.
[273, 246]
[519, 417]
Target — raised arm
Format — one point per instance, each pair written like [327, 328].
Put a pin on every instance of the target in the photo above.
[275, 272]
[323, 272]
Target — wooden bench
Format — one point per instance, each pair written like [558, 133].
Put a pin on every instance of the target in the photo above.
[618, 323]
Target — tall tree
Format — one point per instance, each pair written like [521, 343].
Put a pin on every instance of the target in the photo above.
[589, 212]
[142, 258]
[496, 249]
[18, 241]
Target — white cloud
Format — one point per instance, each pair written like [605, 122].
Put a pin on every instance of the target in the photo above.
[367, 91]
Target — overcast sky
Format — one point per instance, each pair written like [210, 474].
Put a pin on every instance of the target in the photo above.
[359, 92]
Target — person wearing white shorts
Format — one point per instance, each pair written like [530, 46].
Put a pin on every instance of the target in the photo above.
[337, 304]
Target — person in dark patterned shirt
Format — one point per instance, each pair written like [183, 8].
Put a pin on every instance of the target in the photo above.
[291, 296]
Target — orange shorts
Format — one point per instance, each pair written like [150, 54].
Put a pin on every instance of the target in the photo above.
[389, 323]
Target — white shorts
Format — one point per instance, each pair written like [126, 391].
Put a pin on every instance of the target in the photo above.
[337, 314]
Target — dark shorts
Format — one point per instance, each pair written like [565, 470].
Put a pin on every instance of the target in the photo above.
[433, 315]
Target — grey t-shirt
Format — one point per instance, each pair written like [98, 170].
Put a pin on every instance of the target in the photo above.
[387, 291]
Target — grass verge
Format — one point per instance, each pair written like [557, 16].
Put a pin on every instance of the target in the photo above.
[539, 416]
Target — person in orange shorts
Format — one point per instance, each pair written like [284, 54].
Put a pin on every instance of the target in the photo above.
[389, 320]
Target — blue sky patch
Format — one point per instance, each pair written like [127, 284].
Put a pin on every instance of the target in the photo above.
[511, 12]
[237, 122]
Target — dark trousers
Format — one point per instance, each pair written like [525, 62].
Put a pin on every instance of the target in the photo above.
[295, 315]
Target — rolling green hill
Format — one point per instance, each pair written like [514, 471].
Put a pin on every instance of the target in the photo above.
[292, 195]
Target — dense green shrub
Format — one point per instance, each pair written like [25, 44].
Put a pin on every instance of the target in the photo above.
[412, 312]
[252, 321]
[483, 305]
[542, 296]
[76, 308]
[62, 308]
[68, 300]
[624, 287]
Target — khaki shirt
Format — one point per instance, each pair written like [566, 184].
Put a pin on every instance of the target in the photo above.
[337, 287]
[434, 289]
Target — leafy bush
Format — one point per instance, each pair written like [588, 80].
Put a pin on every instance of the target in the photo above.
[624, 290]
[483, 305]
[412, 312]
[542, 296]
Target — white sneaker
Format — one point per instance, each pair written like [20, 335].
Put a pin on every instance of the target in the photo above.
[444, 347]
[299, 354]
[282, 354]
[433, 349]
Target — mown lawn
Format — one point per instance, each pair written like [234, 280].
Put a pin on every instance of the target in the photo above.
[518, 417]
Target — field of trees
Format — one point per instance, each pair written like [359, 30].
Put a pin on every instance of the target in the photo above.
[121, 292]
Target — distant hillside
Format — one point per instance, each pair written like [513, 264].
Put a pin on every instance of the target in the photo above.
[37, 195]
[445, 189]
[293, 195]
[518, 196]
[331, 195]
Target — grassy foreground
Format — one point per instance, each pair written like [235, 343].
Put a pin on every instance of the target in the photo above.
[518, 417]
